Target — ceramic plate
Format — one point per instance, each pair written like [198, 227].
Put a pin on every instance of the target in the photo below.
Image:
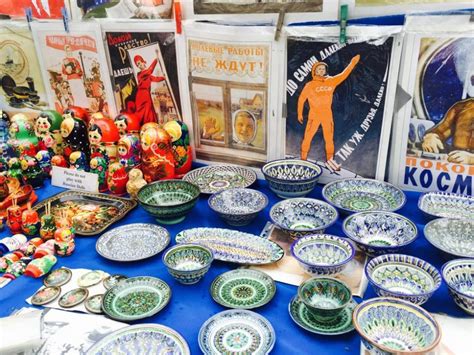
[141, 339]
[441, 204]
[45, 295]
[233, 246]
[73, 297]
[58, 277]
[90, 278]
[340, 325]
[133, 242]
[243, 288]
[94, 304]
[215, 178]
[236, 331]
[453, 236]
[112, 280]
[136, 298]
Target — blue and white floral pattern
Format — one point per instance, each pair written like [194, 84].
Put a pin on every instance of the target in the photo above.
[459, 276]
[442, 204]
[455, 237]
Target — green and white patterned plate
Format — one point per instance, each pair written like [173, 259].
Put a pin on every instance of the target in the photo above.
[243, 288]
[215, 178]
[136, 298]
[301, 316]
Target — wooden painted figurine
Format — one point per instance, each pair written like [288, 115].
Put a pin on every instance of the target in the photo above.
[64, 243]
[30, 246]
[14, 217]
[48, 131]
[182, 150]
[32, 172]
[103, 136]
[135, 182]
[4, 124]
[14, 169]
[47, 248]
[78, 161]
[48, 224]
[128, 123]
[129, 151]
[30, 222]
[99, 166]
[40, 267]
[59, 160]
[22, 135]
[4, 190]
[44, 160]
[117, 179]
[74, 133]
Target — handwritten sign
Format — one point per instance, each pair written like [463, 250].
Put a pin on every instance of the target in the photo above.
[75, 179]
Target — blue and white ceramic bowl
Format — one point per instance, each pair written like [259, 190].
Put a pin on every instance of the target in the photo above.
[291, 177]
[393, 326]
[442, 204]
[454, 237]
[238, 207]
[303, 216]
[378, 233]
[403, 276]
[322, 254]
[359, 195]
[459, 276]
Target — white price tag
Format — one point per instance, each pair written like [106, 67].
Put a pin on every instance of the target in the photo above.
[75, 179]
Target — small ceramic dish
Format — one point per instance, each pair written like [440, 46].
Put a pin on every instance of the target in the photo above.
[73, 297]
[45, 295]
[403, 276]
[378, 232]
[238, 207]
[188, 263]
[358, 195]
[112, 280]
[459, 276]
[303, 216]
[322, 254]
[289, 178]
[324, 297]
[454, 237]
[169, 201]
[58, 277]
[442, 204]
[94, 304]
[90, 278]
[393, 326]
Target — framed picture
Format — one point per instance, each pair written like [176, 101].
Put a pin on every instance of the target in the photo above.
[122, 9]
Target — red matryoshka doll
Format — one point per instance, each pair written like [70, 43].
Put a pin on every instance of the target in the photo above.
[103, 136]
[74, 132]
[157, 153]
[59, 160]
[128, 123]
[182, 150]
[117, 179]
[30, 222]
[4, 190]
[46, 248]
[22, 135]
[99, 166]
[129, 151]
[78, 161]
[64, 243]
[14, 217]
[47, 129]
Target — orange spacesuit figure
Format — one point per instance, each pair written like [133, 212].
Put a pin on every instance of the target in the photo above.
[319, 94]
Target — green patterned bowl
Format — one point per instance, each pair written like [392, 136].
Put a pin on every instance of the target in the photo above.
[324, 297]
[188, 263]
[169, 201]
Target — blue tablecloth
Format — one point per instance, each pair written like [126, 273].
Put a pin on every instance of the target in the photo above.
[191, 306]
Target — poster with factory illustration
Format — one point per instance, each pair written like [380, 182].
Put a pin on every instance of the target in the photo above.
[144, 71]
[435, 150]
[22, 88]
[339, 100]
[74, 67]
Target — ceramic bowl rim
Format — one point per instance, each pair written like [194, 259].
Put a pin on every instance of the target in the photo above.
[328, 185]
[352, 237]
[430, 239]
[444, 270]
[315, 201]
[161, 182]
[217, 194]
[438, 193]
[312, 165]
[410, 305]
[322, 237]
[187, 246]
[436, 285]
[330, 279]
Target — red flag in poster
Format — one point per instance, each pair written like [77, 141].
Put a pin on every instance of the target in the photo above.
[41, 9]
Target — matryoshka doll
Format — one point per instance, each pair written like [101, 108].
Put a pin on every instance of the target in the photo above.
[44, 160]
[48, 226]
[117, 179]
[14, 217]
[182, 150]
[59, 160]
[64, 243]
[157, 153]
[103, 136]
[78, 161]
[4, 190]
[30, 246]
[32, 172]
[48, 131]
[99, 166]
[4, 123]
[129, 151]
[135, 182]
[40, 267]
[128, 123]
[22, 135]
[30, 222]
[14, 169]
[74, 132]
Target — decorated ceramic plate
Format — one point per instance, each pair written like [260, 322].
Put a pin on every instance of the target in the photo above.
[58, 277]
[133, 242]
[136, 298]
[45, 295]
[73, 297]
[90, 278]
[236, 331]
[243, 288]
[112, 280]
[94, 304]
[233, 246]
[340, 325]
[442, 204]
[90, 213]
[215, 178]
[141, 339]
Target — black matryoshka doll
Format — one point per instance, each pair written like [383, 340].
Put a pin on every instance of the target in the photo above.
[74, 133]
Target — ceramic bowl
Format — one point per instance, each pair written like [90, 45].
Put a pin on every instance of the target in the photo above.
[378, 233]
[324, 297]
[403, 276]
[188, 263]
[459, 276]
[358, 195]
[169, 201]
[291, 177]
[454, 237]
[393, 326]
[238, 207]
[302, 216]
[322, 254]
[442, 204]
